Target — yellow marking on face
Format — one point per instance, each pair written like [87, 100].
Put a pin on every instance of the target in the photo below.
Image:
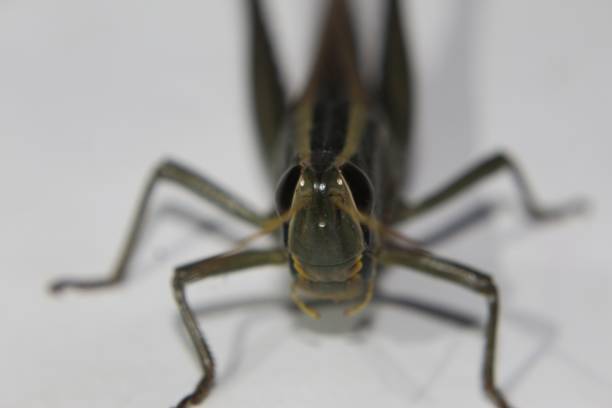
[298, 268]
[356, 268]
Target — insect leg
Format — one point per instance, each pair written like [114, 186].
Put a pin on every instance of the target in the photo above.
[185, 177]
[468, 278]
[479, 173]
[198, 271]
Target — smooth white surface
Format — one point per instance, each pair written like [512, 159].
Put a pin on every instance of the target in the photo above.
[94, 93]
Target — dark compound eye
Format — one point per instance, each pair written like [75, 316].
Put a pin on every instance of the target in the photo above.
[286, 188]
[360, 186]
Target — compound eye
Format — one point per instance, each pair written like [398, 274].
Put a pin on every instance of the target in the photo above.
[360, 186]
[286, 188]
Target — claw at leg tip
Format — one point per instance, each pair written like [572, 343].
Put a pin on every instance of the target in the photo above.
[56, 287]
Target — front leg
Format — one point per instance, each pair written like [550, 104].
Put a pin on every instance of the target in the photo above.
[471, 279]
[200, 270]
[190, 180]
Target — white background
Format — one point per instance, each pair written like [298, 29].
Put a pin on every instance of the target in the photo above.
[93, 94]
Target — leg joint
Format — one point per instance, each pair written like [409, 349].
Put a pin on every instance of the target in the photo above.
[178, 282]
[165, 168]
[485, 285]
[501, 159]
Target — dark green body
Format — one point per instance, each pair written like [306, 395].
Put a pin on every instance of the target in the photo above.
[337, 126]
[338, 156]
[335, 89]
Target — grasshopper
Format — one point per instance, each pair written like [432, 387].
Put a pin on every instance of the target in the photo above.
[338, 155]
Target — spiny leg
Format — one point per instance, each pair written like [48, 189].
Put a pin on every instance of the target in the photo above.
[479, 173]
[185, 177]
[471, 279]
[198, 271]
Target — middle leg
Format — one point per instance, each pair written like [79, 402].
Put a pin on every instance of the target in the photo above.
[479, 173]
[182, 176]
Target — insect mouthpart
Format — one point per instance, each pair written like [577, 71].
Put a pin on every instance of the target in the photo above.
[340, 272]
